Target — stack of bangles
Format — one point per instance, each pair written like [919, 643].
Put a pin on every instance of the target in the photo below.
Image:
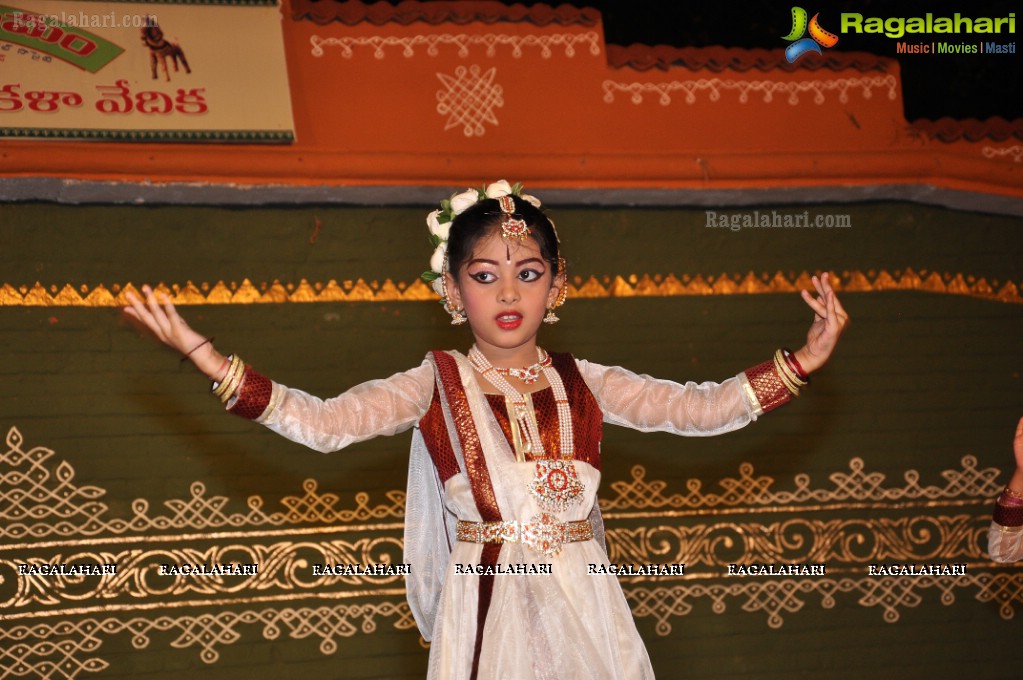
[790, 372]
[232, 380]
[1009, 509]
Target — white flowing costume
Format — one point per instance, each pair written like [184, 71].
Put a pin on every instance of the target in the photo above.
[559, 626]
[1005, 543]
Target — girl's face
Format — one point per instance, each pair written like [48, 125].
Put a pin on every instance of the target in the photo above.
[505, 289]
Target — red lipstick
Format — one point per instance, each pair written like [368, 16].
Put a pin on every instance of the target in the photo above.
[509, 321]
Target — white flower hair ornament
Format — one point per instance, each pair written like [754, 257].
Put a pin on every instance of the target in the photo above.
[439, 223]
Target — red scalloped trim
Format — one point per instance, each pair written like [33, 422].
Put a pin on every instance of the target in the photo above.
[950, 130]
[1011, 516]
[768, 386]
[663, 57]
[253, 395]
[355, 11]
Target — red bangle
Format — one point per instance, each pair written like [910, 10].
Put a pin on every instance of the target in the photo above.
[790, 359]
[1010, 498]
[1012, 494]
[204, 342]
[214, 377]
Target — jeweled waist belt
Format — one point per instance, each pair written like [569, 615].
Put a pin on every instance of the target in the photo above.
[542, 533]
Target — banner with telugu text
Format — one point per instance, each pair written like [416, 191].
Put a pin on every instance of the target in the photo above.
[144, 71]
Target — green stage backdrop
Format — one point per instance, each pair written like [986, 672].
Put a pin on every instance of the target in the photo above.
[111, 452]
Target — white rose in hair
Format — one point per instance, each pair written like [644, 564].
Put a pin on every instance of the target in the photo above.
[438, 286]
[499, 189]
[436, 228]
[437, 259]
[532, 200]
[466, 199]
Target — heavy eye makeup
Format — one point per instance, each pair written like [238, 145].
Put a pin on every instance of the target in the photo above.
[483, 276]
[531, 274]
[526, 274]
[485, 271]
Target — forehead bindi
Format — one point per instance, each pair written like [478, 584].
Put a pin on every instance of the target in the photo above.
[496, 248]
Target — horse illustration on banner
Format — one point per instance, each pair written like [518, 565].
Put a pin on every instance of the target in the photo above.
[161, 49]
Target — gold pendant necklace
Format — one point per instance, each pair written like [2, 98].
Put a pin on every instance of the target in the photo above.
[556, 483]
[529, 374]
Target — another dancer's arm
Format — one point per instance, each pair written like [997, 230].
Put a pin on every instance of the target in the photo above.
[1005, 538]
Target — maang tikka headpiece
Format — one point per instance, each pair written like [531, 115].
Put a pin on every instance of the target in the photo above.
[511, 226]
[439, 223]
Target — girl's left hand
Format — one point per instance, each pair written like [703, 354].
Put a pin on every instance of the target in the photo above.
[830, 319]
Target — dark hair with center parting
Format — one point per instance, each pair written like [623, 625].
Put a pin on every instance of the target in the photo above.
[484, 218]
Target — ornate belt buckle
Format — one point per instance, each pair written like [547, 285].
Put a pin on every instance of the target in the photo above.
[544, 534]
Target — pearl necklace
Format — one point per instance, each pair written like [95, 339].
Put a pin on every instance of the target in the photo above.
[556, 483]
[529, 374]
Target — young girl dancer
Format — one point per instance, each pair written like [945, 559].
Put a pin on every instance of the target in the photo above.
[505, 459]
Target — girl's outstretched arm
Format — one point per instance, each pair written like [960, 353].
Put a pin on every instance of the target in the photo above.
[374, 408]
[168, 326]
[830, 319]
[647, 404]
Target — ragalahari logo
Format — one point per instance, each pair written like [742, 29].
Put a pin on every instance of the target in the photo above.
[818, 36]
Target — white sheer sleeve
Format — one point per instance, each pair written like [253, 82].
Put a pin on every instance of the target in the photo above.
[1005, 544]
[651, 405]
[374, 408]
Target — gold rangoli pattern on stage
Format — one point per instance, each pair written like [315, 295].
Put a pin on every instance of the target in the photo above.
[632, 285]
[58, 624]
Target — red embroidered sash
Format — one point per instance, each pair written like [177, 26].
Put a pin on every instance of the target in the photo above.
[442, 454]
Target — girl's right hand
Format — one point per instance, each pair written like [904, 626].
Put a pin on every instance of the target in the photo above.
[167, 325]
